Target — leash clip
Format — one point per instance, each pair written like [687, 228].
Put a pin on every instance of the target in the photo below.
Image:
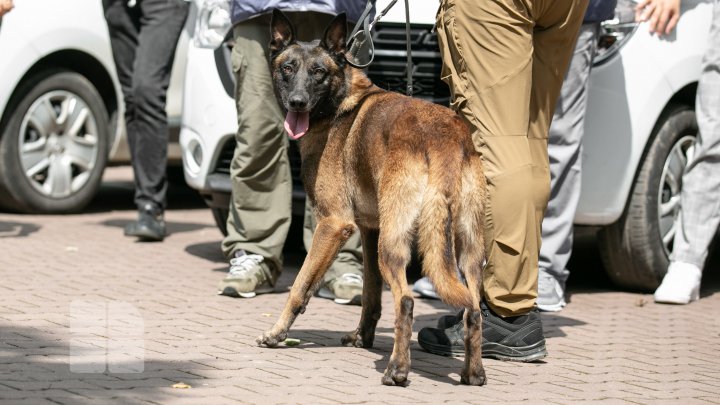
[361, 44]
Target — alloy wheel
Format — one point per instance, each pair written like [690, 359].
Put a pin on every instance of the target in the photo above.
[670, 188]
[58, 144]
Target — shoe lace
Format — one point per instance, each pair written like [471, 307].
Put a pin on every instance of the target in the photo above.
[240, 266]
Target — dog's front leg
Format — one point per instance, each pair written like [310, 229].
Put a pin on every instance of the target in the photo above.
[330, 235]
[364, 335]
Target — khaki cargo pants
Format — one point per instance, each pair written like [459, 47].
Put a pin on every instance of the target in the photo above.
[504, 61]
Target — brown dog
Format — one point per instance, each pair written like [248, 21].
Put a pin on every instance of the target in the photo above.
[396, 168]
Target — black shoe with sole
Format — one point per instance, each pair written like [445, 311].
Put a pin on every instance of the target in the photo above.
[150, 225]
[518, 338]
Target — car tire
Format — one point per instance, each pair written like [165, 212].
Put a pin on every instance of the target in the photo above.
[220, 215]
[635, 250]
[54, 147]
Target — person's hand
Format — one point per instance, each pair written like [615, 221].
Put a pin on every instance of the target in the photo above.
[661, 15]
[5, 6]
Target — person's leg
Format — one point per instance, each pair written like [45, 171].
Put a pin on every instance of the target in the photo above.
[555, 36]
[564, 151]
[494, 51]
[700, 198]
[260, 206]
[343, 282]
[487, 62]
[123, 27]
[161, 22]
[494, 54]
[125, 24]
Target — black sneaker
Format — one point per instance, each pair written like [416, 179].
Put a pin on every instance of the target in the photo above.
[150, 225]
[518, 338]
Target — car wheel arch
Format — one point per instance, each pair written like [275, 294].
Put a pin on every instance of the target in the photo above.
[73, 61]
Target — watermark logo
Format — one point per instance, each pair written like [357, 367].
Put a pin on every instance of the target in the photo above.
[106, 336]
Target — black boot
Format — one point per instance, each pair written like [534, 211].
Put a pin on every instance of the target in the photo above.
[518, 338]
[150, 226]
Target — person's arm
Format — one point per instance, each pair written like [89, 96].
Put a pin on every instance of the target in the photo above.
[661, 15]
[5, 6]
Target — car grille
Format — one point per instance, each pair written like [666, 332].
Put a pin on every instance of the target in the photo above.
[389, 68]
[225, 157]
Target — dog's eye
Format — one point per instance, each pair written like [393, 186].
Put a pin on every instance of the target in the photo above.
[318, 72]
[287, 69]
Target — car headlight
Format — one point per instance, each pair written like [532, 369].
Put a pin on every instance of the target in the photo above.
[212, 24]
[615, 33]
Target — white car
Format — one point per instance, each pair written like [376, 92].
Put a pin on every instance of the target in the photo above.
[640, 126]
[60, 102]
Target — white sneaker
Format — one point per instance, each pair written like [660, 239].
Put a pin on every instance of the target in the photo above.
[344, 290]
[551, 295]
[425, 288]
[247, 277]
[681, 284]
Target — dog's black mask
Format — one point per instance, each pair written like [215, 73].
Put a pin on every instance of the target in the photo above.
[308, 77]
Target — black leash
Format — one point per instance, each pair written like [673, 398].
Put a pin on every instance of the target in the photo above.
[361, 40]
[409, 67]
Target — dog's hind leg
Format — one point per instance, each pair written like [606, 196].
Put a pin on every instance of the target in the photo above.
[470, 245]
[394, 253]
[330, 235]
[399, 207]
[364, 335]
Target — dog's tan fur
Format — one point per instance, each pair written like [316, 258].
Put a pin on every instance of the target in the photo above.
[398, 169]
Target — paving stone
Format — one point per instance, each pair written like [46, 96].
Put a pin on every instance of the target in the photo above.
[604, 347]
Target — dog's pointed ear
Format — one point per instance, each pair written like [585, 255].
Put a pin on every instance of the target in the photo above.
[335, 34]
[282, 32]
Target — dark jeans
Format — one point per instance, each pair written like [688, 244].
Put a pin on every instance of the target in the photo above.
[143, 39]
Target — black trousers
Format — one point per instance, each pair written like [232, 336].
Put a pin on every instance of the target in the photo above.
[143, 39]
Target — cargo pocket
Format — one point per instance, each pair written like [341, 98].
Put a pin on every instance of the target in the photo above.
[453, 66]
[239, 66]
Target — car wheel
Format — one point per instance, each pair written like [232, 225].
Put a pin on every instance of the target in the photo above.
[54, 147]
[636, 249]
[220, 215]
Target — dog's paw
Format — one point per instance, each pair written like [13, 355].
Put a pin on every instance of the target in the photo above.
[356, 339]
[394, 375]
[473, 378]
[268, 339]
[352, 339]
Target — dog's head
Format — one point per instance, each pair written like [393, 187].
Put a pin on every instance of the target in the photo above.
[309, 77]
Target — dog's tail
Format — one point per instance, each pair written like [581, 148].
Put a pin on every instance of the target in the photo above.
[437, 228]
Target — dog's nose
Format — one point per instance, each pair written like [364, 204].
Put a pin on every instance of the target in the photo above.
[297, 103]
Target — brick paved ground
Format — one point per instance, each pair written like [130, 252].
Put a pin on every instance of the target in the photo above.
[158, 301]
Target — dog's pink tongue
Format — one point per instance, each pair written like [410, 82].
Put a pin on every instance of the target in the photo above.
[297, 123]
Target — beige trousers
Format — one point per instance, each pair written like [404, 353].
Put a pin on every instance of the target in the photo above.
[504, 61]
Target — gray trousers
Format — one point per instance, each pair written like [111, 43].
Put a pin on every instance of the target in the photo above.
[700, 197]
[564, 152]
[260, 207]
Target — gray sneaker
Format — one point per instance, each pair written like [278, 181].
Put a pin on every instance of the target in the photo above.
[248, 276]
[551, 295]
[425, 288]
[345, 290]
